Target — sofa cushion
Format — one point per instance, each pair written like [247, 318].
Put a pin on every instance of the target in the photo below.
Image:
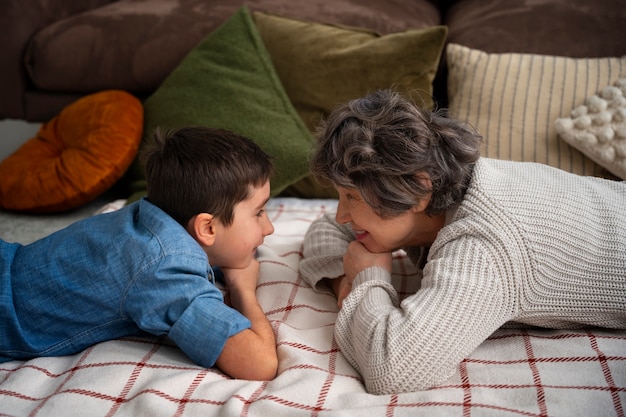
[514, 99]
[74, 157]
[323, 65]
[135, 44]
[597, 128]
[573, 28]
[228, 81]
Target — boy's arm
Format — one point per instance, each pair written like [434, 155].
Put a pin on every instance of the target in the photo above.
[251, 353]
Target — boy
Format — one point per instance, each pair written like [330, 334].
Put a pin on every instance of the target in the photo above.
[145, 268]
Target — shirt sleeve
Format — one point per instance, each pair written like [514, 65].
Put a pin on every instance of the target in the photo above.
[204, 327]
[324, 245]
[419, 343]
[175, 297]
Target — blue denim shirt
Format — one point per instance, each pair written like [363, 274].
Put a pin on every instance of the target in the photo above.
[124, 273]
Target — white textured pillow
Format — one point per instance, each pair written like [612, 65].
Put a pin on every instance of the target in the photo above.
[597, 128]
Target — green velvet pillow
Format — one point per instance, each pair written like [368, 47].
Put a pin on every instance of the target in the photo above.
[323, 65]
[228, 81]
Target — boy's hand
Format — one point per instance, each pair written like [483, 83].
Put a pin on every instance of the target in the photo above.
[242, 280]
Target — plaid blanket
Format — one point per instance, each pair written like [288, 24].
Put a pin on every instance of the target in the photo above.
[516, 372]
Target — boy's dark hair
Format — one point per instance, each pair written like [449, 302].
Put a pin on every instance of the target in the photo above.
[195, 170]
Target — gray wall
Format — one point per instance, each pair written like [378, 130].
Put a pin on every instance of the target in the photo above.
[13, 133]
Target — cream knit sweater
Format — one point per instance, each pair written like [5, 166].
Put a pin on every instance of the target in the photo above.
[528, 244]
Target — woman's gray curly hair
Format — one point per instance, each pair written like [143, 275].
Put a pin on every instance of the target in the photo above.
[381, 143]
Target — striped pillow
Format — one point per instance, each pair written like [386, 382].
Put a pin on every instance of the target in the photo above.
[514, 99]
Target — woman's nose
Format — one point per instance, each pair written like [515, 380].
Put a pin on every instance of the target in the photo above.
[343, 214]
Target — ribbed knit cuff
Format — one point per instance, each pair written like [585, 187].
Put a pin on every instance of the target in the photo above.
[373, 273]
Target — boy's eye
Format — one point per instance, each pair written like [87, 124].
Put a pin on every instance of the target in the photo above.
[260, 213]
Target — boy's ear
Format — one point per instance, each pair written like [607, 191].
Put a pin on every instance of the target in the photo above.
[202, 228]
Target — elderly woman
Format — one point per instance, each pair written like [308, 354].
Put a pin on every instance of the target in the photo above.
[497, 242]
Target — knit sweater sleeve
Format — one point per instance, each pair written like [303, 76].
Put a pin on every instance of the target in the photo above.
[324, 245]
[419, 343]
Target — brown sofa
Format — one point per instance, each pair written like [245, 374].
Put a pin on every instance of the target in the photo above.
[55, 52]
[511, 68]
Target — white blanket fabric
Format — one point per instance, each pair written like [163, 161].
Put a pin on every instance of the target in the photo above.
[516, 372]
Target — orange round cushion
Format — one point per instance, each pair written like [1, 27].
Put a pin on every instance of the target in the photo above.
[76, 156]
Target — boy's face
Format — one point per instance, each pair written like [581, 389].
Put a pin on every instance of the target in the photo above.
[235, 245]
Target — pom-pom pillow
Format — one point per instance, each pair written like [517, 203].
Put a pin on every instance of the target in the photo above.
[74, 157]
[597, 128]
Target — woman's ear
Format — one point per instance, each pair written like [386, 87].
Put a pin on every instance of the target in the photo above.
[203, 228]
[424, 178]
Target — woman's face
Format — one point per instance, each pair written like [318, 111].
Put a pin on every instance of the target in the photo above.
[377, 234]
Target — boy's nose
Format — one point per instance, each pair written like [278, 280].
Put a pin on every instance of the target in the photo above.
[269, 228]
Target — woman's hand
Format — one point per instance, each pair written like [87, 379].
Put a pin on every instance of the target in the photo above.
[340, 286]
[356, 259]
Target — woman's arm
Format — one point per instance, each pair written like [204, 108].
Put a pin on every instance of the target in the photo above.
[251, 353]
[419, 343]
